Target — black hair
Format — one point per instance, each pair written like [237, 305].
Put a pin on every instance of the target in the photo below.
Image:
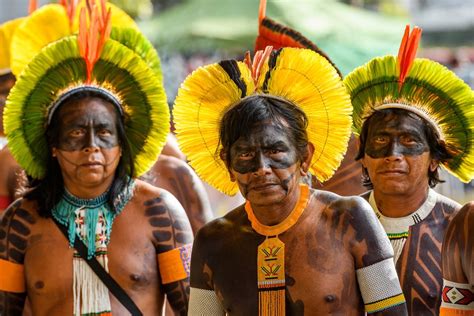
[49, 190]
[241, 118]
[437, 147]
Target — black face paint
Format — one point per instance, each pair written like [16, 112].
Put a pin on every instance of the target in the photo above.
[268, 146]
[87, 123]
[396, 136]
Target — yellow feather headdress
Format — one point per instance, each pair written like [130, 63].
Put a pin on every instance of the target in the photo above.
[300, 76]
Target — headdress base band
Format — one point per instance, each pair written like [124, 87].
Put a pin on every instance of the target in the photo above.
[84, 88]
[412, 109]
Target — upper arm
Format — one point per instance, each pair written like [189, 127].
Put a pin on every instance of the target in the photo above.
[15, 229]
[458, 247]
[375, 269]
[172, 236]
[203, 300]
[179, 178]
[370, 244]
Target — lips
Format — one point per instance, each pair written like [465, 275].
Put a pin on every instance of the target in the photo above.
[262, 186]
[392, 171]
[92, 164]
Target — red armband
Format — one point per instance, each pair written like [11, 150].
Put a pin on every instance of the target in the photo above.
[5, 201]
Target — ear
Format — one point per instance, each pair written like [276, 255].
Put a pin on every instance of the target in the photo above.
[307, 159]
[223, 156]
[434, 165]
[54, 152]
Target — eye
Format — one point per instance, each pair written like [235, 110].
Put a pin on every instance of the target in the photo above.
[246, 155]
[76, 133]
[104, 132]
[380, 139]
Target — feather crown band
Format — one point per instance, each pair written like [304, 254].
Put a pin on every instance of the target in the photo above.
[299, 76]
[119, 64]
[423, 87]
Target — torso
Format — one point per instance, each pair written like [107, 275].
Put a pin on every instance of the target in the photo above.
[131, 252]
[419, 265]
[319, 265]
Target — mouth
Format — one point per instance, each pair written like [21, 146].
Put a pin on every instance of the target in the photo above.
[263, 186]
[92, 164]
[393, 172]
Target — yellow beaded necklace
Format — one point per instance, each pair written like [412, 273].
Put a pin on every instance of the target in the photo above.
[271, 257]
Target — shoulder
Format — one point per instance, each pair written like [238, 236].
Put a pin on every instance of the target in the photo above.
[22, 208]
[355, 207]
[220, 229]
[147, 193]
[15, 229]
[449, 205]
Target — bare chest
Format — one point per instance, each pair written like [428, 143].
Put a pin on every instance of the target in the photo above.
[49, 266]
[320, 275]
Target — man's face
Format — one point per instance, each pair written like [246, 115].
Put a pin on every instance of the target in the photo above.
[266, 165]
[88, 150]
[6, 83]
[397, 155]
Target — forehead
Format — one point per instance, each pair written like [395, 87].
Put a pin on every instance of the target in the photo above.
[397, 123]
[87, 109]
[265, 134]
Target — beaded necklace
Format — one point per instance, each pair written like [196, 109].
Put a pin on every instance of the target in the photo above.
[271, 257]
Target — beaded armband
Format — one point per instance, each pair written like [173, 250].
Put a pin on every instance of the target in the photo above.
[457, 299]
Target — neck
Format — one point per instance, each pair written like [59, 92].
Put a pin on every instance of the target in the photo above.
[84, 192]
[400, 205]
[274, 214]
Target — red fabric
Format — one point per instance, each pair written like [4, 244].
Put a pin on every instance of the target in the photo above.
[5, 201]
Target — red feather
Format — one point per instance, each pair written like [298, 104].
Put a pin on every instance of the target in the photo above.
[407, 53]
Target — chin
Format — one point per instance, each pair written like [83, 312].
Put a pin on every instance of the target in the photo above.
[267, 197]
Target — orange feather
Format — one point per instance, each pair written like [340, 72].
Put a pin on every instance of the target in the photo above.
[33, 5]
[262, 10]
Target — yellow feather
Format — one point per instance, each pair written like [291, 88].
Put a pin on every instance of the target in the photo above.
[202, 100]
[6, 33]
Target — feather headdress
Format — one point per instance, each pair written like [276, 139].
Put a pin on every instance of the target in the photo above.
[421, 86]
[52, 22]
[277, 35]
[123, 67]
[300, 76]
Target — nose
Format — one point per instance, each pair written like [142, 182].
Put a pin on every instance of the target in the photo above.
[91, 143]
[262, 165]
[395, 152]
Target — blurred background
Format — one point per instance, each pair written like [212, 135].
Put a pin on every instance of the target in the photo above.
[190, 33]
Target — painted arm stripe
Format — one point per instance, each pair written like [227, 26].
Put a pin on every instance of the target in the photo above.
[385, 303]
[12, 277]
[174, 265]
[378, 282]
[204, 303]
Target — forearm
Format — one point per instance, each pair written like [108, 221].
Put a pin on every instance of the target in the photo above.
[393, 311]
